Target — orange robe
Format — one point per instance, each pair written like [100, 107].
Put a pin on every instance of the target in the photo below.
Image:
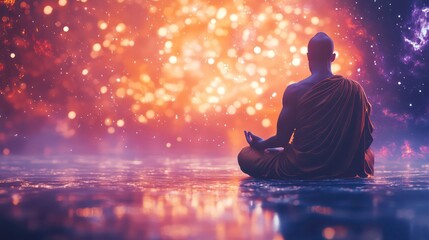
[331, 139]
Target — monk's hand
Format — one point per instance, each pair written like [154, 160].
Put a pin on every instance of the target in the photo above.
[253, 140]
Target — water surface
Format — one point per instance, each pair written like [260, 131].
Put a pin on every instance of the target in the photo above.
[88, 197]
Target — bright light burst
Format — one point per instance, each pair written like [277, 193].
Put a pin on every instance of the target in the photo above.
[126, 73]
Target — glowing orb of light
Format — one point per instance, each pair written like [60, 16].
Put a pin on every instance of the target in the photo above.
[47, 10]
[71, 115]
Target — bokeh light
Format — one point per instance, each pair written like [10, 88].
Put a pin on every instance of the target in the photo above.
[115, 76]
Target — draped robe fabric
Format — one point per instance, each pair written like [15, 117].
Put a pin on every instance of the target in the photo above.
[331, 139]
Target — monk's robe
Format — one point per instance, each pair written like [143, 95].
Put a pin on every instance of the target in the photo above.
[331, 139]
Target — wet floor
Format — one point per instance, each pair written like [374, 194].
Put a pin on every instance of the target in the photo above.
[203, 198]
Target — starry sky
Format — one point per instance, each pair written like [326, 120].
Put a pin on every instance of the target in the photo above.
[188, 76]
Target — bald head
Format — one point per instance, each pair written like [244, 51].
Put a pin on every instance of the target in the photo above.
[321, 48]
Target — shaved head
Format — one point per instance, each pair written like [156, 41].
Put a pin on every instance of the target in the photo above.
[320, 47]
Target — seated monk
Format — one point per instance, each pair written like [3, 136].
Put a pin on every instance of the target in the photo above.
[327, 117]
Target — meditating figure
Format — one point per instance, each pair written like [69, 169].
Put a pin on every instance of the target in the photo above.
[323, 130]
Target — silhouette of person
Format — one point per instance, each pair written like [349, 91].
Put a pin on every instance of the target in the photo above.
[323, 128]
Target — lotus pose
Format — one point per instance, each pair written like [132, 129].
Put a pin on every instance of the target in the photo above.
[323, 129]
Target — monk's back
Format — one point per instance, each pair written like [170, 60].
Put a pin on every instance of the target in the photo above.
[301, 87]
[328, 119]
[330, 116]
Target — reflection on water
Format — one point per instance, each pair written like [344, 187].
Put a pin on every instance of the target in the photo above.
[195, 198]
[389, 206]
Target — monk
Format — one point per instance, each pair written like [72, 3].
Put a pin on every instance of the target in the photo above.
[323, 130]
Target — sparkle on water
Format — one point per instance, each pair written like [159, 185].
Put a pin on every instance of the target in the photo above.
[199, 198]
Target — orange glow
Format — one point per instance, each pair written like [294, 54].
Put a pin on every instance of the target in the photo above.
[62, 3]
[16, 199]
[89, 212]
[47, 10]
[207, 207]
[198, 69]
[329, 233]
[72, 115]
